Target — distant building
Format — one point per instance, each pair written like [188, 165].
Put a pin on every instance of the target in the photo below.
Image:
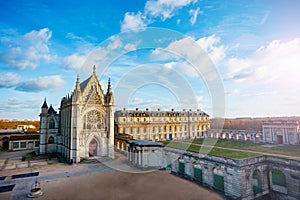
[15, 139]
[24, 142]
[161, 125]
[25, 127]
[242, 135]
[84, 127]
[281, 132]
[5, 135]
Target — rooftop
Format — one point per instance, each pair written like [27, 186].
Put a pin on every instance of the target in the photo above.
[145, 143]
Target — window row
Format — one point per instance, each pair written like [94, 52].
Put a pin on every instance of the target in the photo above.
[155, 129]
[25, 145]
[159, 119]
[156, 137]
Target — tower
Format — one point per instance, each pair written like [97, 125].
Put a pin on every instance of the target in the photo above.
[109, 99]
[43, 127]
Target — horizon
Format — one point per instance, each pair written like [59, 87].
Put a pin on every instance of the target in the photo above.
[252, 47]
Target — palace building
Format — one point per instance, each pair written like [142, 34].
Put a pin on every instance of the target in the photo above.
[162, 125]
[84, 127]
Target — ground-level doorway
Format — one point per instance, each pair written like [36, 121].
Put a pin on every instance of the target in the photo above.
[279, 139]
[93, 146]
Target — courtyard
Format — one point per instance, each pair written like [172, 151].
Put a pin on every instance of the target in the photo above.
[99, 180]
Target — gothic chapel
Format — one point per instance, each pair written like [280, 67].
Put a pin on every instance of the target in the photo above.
[84, 127]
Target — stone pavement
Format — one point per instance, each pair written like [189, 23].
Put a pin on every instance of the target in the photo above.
[51, 170]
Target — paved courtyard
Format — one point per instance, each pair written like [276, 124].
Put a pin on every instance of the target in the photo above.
[95, 180]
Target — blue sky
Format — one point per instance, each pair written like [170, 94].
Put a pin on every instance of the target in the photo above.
[253, 45]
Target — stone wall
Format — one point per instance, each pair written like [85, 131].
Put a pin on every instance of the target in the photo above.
[244, 179]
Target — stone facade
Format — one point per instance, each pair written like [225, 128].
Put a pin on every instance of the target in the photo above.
[238, 178]
[145, 154]
[161, 125]
[85, 125]
[281, 132]
[242, 135]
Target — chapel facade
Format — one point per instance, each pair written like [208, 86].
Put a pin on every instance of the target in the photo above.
[84, 127]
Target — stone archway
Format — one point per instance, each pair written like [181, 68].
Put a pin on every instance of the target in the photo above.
[5, 142]
[257, 181]
[93, 148]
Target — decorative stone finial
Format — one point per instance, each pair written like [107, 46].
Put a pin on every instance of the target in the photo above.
[94, 69]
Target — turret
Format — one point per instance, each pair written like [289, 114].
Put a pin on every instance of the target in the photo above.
[44, 108]
[43, 127]
[109, 100]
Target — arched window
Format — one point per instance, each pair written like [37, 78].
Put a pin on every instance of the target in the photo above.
[51, 124]
[51, 140]
[278, 178]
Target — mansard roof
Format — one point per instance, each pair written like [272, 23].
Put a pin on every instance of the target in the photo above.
[159, 113]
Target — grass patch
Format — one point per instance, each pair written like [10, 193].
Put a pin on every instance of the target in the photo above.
[232, 154]
[234, 144]
[245, 145]
[212, 151]
[222, 152]
[33, 156]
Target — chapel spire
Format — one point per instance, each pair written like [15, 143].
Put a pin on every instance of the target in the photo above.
[77, 83]
[94, 69]
[109, 94]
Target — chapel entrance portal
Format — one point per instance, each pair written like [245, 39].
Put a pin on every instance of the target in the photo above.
[93, 148]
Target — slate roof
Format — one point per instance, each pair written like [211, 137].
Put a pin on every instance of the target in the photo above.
[45, 104]
[25, 137]
[10, 131]
[145, 143]
[84, 83]
[51, 110]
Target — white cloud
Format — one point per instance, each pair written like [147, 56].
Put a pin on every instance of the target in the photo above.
[194, 14]
[276, 63]
[163, 9]
[40, 84]
[180, 53]
[74, 61]
[133, 21]
[182, 68]
[28, 50]
[210, 45]
[8, 80]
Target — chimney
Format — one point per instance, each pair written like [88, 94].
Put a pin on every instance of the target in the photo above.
[172, 109]
[137, 109]
[147, 109]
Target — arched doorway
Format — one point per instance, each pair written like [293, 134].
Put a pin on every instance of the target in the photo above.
[218, 179]
[256, 181]
[5, 142]
[93, 146]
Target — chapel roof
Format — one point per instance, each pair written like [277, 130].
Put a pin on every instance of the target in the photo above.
[51, 110]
